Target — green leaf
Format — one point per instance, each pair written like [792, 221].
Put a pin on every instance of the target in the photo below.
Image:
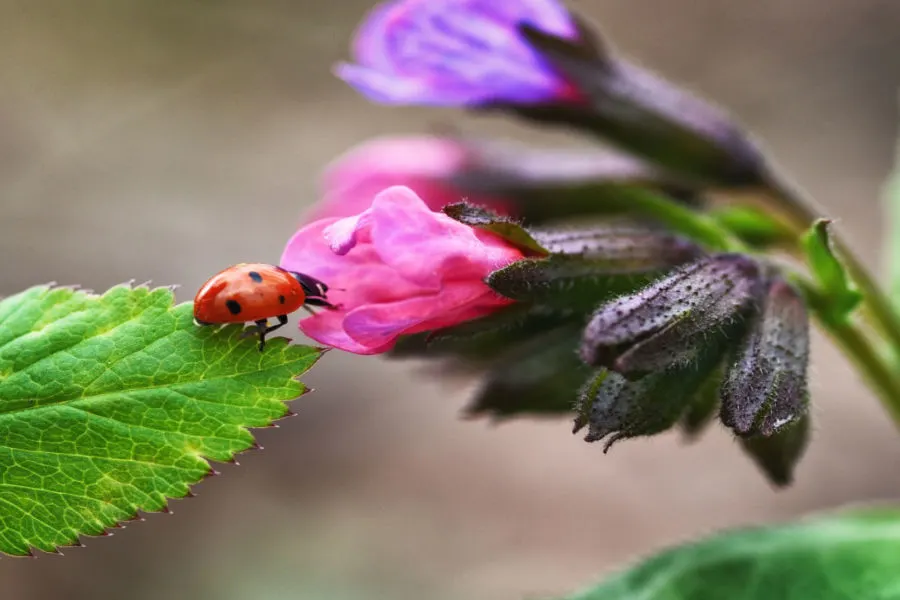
[111, 404]
[842, 297]
[506, 228]
[838, 557]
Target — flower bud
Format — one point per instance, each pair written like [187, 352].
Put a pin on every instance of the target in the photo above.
[667, 323]
[455, 53]
[642, 112]
[397, 268]
[424, 164]
[590, 265]
[779, 453]
[614, 407]
[765, 386]
[539, 184]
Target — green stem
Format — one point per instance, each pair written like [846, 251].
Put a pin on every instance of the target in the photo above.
[853, 338]
[698, 226]
[882, 377]
[876, 370]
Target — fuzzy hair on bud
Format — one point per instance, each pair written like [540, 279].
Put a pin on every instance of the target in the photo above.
[666, 323]
[765, 388]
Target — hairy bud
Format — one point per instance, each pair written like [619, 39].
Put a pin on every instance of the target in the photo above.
[765, 387]
[615, 408]
[778, 454]
[669, 321]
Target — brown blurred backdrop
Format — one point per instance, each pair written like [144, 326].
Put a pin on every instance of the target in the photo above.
[167, 139]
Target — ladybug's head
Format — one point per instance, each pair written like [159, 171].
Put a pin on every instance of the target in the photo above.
[312, 287]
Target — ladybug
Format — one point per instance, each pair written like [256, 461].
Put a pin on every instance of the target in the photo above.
[257, 292]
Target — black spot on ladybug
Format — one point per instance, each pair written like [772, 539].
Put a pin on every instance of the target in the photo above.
[281, 299]
[234, 307]
[255, 277]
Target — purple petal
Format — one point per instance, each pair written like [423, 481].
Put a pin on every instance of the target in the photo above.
[455, 52]
[384, 88]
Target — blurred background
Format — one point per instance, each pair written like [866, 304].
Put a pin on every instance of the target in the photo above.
[167, 139]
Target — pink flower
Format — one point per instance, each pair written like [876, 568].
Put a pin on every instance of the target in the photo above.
[423, 164]
[396, 268]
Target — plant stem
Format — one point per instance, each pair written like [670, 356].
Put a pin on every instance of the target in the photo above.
[876, 370]
[802, 211]
[698, 226]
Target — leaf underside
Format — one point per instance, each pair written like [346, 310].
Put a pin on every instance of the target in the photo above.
[111, 404]
[840, 557]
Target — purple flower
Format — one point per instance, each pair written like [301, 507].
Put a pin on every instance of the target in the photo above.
[457, 52]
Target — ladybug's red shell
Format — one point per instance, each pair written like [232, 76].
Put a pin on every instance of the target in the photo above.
[248, 292]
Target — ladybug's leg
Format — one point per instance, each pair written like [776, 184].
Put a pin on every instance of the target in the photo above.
[320, 302]
[282, 321]
[263, 330]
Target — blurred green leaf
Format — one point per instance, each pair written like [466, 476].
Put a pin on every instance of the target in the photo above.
[892, 239]
[482, 341]
[111, 404]
[703, 408]
[854, 556]
[842, 297]
[540, 378]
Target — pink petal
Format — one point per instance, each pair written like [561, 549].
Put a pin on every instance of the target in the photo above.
[428, 247]
[376, 325]
[341, 236]
[327, 328]
[379, 163]
[424, 164]
[356, 278]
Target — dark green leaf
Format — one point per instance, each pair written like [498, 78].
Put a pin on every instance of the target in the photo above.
[567, 282]
[703, 408]
[482, 218]
[619, 246]
[111, 404]
[483, 340]
[854, 556]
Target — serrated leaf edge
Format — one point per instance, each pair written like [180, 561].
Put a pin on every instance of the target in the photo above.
[109, 531]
